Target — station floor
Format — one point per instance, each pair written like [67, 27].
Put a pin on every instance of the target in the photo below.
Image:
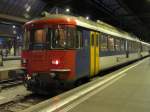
[130, 93]
[10, 64]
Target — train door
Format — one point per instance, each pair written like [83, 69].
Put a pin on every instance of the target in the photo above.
[94, 53]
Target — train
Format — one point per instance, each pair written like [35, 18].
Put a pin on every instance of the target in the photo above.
[61, 49]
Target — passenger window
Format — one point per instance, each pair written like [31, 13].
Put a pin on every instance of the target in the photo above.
[129, 46]
[138, 44]
[135, 46]
[117, 44]
[111, 43]
[122, 45]
[70, 41]
[97, 40]
[103, 42]
[79, 40]
[132, 46]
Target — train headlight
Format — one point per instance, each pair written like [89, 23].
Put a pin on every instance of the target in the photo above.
[55, 61]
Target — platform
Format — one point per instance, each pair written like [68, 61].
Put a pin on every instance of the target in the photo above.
[10, 64]
[130, 93]
[7, 66]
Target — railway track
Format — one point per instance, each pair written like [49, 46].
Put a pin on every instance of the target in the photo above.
[20, 103]
[9, 83]
[19, 100]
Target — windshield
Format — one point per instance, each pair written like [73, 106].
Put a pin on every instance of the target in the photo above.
[63, 38]
[56, 37]
[38, 39]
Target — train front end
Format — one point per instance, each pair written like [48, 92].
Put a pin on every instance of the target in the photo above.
[49, 53]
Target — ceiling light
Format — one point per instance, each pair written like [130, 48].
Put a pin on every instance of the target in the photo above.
[67, 10]
[18, 37]
[14, 32]
[14, 26]
[28, 8]
[87, 17]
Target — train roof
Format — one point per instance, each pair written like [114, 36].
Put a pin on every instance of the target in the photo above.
[144, 43]
[98, 26]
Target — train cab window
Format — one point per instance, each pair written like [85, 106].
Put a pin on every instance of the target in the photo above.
[117, 44]
[103, 42]
[59, 38]
[110, 43]
[40, 36]
[64, 38]
[38, 39]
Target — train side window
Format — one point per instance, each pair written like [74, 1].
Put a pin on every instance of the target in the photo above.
[122, 45]
[117, 44]
[79, 40]
[70, 40]
[139, 47]
[133, 43]
[136, 46]
[97, 40]
[143, 48]
[132, 46]
[129, 46]
[111, 43]
[103, 42]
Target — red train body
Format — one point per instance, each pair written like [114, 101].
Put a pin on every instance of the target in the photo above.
[55, 61]
[47, 66]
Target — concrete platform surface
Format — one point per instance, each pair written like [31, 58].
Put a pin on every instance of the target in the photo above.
[10, 65]
[130, 93]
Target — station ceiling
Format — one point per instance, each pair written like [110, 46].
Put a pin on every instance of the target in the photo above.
[130, 15]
